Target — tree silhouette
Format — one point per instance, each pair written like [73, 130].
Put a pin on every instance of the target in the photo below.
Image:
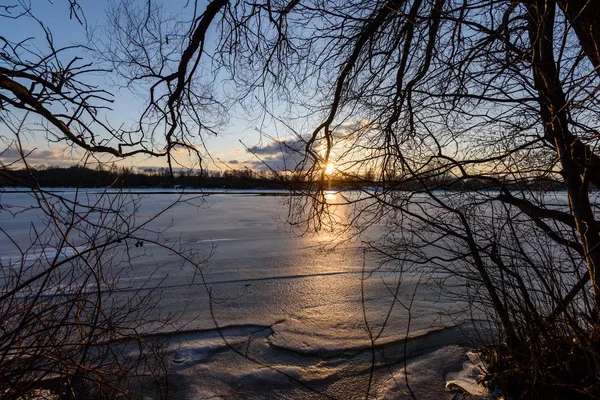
[492, 97]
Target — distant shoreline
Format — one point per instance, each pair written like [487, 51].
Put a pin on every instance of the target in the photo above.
[242, 180]
[225, 191]
[199, 191]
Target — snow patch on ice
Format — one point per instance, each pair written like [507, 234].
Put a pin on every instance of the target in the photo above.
[426, 375]
[466, 379]
[194, 352]
[315, 372]
[319, 337]
[46, 254]
[215, 240]
[313, 336]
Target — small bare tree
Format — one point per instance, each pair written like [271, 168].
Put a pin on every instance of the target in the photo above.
[73, 321]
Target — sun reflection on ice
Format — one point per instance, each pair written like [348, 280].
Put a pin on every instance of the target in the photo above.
[332, 220]
[330, 195]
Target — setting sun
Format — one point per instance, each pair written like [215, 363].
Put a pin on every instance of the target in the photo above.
[330, 169]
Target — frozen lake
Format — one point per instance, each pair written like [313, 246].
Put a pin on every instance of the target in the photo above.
[294, 305]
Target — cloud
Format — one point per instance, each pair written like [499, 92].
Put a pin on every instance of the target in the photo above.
[36, 157]
[349, 128]
[234, 162]
[278, 155]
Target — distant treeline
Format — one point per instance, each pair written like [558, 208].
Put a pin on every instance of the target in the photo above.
[241, 179]
[130, 178]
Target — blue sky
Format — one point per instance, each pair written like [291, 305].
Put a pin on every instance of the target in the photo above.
[226, 150]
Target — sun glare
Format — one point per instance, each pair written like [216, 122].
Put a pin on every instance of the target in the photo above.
[329, 195]
[329, 169]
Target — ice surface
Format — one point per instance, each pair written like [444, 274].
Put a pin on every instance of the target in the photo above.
[293, 315]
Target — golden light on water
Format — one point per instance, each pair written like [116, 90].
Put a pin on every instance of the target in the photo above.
[330, 169]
